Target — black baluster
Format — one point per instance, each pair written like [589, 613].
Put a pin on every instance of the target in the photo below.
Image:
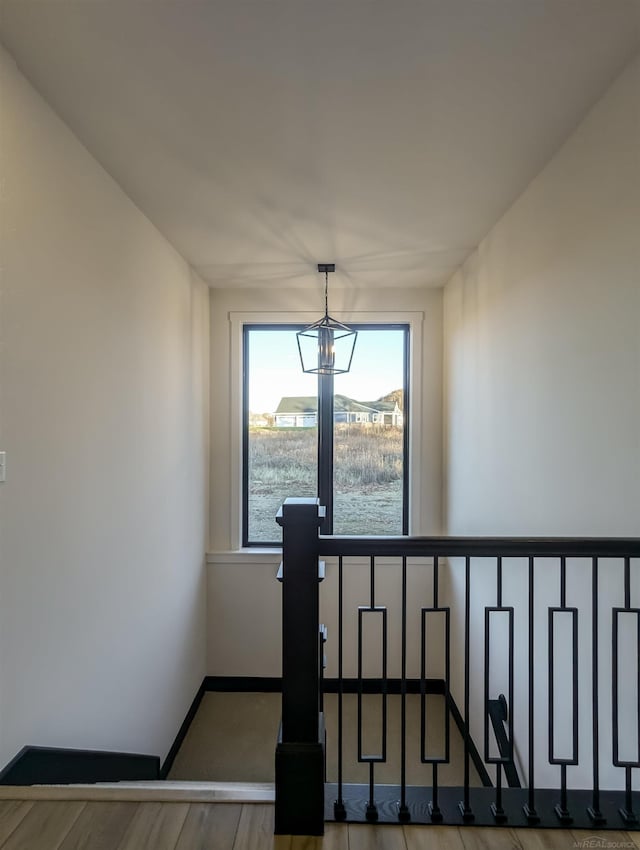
[594, 809]
[371, 809]
[628, 815]
[464, 805]
[562, 808]
[434, 808]
[403, 811]
[505, 755]
[339, 809]
[497, 809]
[530, 807]
[435, 812]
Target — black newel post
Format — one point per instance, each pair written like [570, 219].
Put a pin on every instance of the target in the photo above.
[300, 748]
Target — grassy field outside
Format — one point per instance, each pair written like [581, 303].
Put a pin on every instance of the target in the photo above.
[367, 471]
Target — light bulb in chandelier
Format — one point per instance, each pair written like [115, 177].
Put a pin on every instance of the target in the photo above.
[326, 349]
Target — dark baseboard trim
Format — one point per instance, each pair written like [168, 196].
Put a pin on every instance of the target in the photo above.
[61, 766]
[243, 684]
[273, 684]
[182, 731]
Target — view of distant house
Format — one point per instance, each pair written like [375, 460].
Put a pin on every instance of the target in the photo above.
[302, 412]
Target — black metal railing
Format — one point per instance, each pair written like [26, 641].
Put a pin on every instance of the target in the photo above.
[524, 629]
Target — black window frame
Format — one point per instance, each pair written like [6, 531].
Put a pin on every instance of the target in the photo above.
[325, 462]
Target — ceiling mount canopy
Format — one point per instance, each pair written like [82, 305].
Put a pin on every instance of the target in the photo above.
[326, 347]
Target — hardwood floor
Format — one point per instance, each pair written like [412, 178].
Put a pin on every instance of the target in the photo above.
[96, 825]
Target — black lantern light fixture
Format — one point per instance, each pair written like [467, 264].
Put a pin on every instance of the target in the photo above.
[326, 347]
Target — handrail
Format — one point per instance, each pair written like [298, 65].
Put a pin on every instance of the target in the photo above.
[481, 547]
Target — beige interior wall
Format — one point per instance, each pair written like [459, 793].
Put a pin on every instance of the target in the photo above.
[243, 596]
[542, 377]
[244, 627]
[542, 342]
[104, 398]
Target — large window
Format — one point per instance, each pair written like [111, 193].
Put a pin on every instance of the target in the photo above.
[341, 438]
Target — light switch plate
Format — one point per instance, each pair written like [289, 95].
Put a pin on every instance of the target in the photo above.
[3, 467]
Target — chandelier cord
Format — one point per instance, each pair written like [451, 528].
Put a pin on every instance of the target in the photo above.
[326, 293]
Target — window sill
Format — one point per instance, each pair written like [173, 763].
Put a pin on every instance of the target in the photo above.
[252, 555]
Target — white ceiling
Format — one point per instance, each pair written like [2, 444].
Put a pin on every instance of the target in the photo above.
[264, 136]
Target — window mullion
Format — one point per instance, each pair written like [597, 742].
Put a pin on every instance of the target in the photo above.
[325, 449]
[405, 437]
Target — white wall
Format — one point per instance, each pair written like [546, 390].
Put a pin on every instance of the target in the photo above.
[542, 377]
[104, 375]
[243, 596]
[542, 346]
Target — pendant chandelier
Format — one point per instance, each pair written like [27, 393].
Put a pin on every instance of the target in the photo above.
[326, 347]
